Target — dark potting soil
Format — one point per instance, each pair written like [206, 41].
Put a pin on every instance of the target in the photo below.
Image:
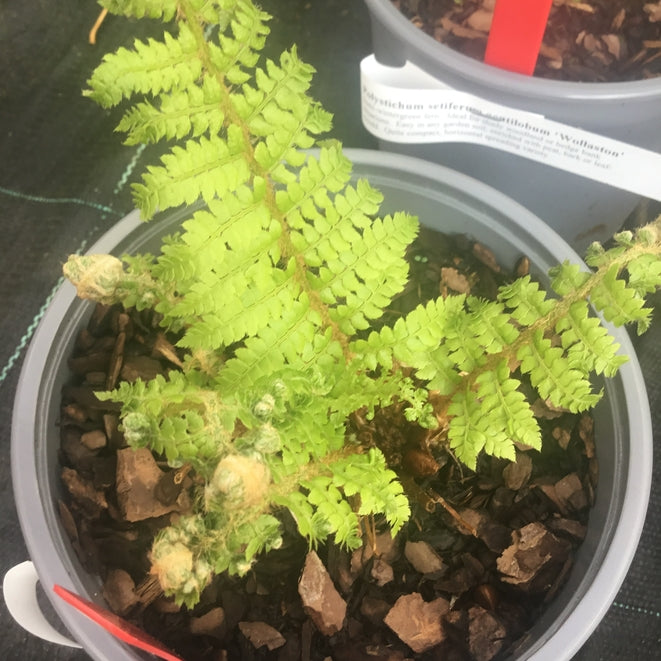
[482, 556]
[584, 41]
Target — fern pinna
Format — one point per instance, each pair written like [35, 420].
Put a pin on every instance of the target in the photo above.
[272, 287]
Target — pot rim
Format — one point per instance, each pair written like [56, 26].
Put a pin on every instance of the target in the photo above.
[578, 618]
[500, 80]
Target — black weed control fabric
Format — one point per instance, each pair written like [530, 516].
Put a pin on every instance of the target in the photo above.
[64, 180]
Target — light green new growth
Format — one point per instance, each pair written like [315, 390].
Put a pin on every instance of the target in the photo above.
[273, 287]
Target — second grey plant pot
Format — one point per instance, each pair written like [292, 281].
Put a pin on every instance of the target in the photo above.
[444, 200]
[579, 209]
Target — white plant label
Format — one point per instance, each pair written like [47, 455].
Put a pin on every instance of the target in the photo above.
[407, 105]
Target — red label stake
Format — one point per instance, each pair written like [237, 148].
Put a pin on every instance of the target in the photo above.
[516, 34]
[116, 625]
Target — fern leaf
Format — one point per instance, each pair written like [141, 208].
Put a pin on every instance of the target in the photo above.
[588, 344]
[163, 9]
[526, 299]
[233, 319]
[567, 278]
[553, 377]
[645, 274]
[359, 284]
[417, 341]
[204, 168]
[619, 303]
[151, 67]
[176, 417]
[284, 86]
[465, 433]
[505, 407]
[281, 341]
[238, 54]
[194, 111]
[366, 476]
[331, 171]
[334, 511]
[491, 326]
[311, 526]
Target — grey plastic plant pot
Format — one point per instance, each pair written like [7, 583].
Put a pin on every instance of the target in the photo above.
[445, 200]
[579, 209]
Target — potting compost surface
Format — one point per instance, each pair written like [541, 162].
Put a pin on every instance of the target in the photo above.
[65, 179]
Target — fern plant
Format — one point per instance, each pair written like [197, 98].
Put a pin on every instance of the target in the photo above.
[273, 287]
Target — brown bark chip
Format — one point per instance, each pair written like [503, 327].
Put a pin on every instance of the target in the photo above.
[137, 477]
[418, 622]
[534, 559]
[322, 602]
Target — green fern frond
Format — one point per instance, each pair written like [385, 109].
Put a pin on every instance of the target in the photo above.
[367, 477]
[281, 341]
[492, 419]
[567, 278]
[466, 434]
[645, 274]
[193, 112]
[151, 68]
[334, 510]
[355, 290]
[553, 377]
[526, 299]
[506, 408]
[619, 303]
[417, 341]
[205, 168]
[163, 9]
[178, 416]
[589, 345]
[283, 85]
[312, 526]
[491, 325]
[238, 50]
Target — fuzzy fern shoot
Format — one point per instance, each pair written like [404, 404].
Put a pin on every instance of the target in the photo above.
[273, 286]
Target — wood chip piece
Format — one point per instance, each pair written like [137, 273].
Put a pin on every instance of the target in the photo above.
[571, 493]
[261, 634]
[137, 478]
[424, 558]
[486, 634]
[486, 256]
[517, 473]
[617, 22]
[653, 9]
[83, 492]
[461, 31]
[321, 601]
[94, 440]
[613, 44]
[534, 559]
[418, 622]
[480, 20]
[119, 591]
[212, 623]
[455, 280]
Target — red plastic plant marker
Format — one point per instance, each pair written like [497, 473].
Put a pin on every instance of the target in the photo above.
[117, 626]
[516, 34]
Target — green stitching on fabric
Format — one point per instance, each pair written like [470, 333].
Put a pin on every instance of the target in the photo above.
[28, 333]
[104, 209]
[129, 169]
[637, 609]
[60, 200]
[4, 373]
